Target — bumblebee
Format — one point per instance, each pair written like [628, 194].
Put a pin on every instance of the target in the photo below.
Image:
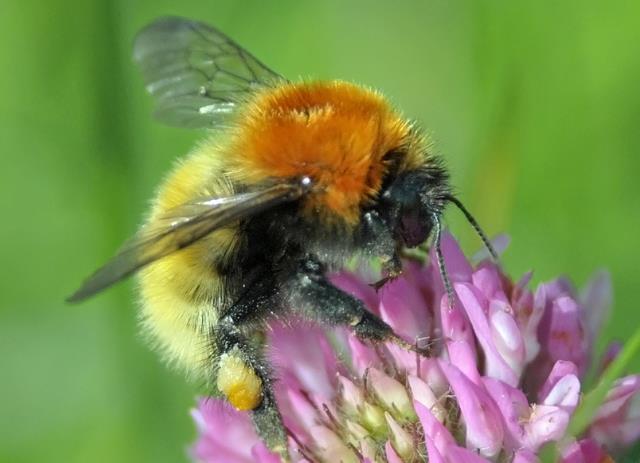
[294, 179]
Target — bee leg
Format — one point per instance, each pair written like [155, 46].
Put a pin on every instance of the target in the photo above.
[391, 269]
[376, 239]
[311, 295]
[244, 377]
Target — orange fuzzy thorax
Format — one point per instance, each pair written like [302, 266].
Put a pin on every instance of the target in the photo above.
[334, 132]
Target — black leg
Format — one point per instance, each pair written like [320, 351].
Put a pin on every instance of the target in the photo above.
[309, 293]
[376, 240]
[375, 237]
[391, 269]
[243, 375]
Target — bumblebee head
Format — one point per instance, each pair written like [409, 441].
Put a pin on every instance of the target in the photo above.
[407, 212]
[413, 202]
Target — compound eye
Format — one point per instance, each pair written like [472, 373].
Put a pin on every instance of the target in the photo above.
[414, 228]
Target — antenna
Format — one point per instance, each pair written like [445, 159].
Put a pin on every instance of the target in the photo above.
[441, 266]
[472, 221]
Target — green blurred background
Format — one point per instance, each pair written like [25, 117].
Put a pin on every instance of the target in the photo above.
[535, 105]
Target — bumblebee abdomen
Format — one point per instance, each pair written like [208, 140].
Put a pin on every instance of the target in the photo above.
[183, 293]
[182, 296]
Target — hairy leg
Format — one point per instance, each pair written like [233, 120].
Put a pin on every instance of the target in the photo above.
[377, 241]
[243, 374]
[310, 294]
[244, 377]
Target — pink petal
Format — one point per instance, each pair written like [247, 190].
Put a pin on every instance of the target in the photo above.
[459, 339]
[457, 265]
[432, 374]
[525, 456]
[400, 439]
[363, 355]
[439, 436]
[204, 452]
[629, 432]
[457, 454]
[403, 307]
[584, 451]
[224, 433]
[303, 350]
[528, 316]
[565, 393]
[544, 296]
[352, 396]
[617, 422]
[298, 412]
[547, 423]
[499, 243]
[480, 413]
[619, 395]
[327, 407]
[405, 360]
[392, 456]
[461, 353]
[458, 268]
[554, 289]
[561, 369]
[261, 454]
[561, 333]
[369, 450]
[596, 300]
[474, 305]
[566, 339]
[432, 451]
[507, 336]
[514, 407]
[487, 280]
[422, 393]
[519, 289]
[543, 301]
[330, 447]
[358, 288]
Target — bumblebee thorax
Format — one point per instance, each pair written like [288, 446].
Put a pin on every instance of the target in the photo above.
[335, 132]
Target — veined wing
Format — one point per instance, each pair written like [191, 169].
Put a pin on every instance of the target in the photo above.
[185, 225]
[196, 73]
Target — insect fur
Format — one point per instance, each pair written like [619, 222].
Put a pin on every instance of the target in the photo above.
[297, 178]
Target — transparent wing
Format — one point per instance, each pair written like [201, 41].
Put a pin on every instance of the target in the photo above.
[181, 227]
[195, 72]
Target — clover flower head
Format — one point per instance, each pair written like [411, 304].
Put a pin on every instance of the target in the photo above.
[503, 379]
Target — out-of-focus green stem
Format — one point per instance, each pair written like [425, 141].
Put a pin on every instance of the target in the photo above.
[592, 400]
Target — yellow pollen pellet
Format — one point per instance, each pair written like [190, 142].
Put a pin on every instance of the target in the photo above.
[239, 383]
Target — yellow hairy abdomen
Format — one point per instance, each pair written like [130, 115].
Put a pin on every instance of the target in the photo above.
[182, 293]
